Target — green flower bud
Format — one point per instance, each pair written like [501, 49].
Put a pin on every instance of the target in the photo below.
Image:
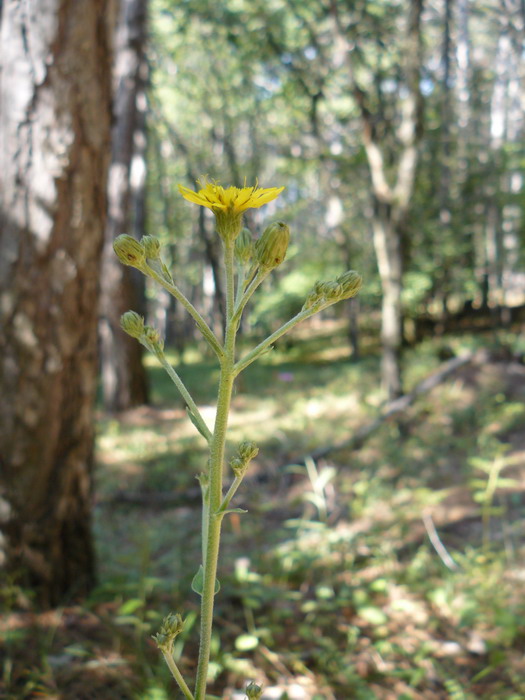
[351, 282]
[270, 249]
[253, 691]
[331, 290]
[132, 324]
[314, 297]
[129, 251]
[311, 300]
[151, 247]
[152, 338]
[244, 247]
[238, 466]
[248, 450]
[171, 627]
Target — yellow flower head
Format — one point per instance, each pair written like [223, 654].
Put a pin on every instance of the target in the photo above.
[228, 203]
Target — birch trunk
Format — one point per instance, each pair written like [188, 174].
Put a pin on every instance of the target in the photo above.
[55, 58]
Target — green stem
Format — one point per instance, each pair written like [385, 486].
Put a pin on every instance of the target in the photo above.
[241, 303]
[226, 380]
[230, 494]
[203, 428]
[201, 323]
[205, 514]
[265, 344]
[241, 276]
[230, 279]
[177, 674]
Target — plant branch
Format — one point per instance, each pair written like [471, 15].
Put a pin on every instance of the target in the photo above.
[265, 344]
[230, 494]
[177, 674]
[245, 298]
[199, 421]
[206, 331]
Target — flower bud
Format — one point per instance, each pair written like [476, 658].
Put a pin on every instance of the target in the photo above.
[253, 691]
[311, 300]
[270, 249]
[171, 627]
[244, 247]
[351, 282]
[129, 251]
[248, 450]
[314, 297]
[331, 290]
[151, 247]
[238, 466]
[132, 324]
[152, 337]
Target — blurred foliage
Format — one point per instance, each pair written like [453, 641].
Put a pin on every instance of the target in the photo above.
[330, 582]
[280, 109]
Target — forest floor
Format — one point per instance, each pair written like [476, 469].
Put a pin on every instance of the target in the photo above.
[391, 572]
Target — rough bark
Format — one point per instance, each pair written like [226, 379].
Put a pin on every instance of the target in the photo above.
[54, 139]
[124, 381]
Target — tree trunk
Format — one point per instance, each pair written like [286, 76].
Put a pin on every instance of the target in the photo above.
[387, 244]
[124, 381]
[55, 93]
[391, 193]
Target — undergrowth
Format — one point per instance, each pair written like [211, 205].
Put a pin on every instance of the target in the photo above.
[338, 592]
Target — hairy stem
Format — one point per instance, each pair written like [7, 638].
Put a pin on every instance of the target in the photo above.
[245, 298]
[214, 495]
[177, 674]
[230, 494]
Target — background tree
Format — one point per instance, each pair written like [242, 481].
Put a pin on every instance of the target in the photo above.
[55, 63]
[124, 381]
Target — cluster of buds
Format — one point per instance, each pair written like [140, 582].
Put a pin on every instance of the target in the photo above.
[133, 325]
[171, 627]
[144, 255]
[323, 294]
[246, 452]
[253, 691]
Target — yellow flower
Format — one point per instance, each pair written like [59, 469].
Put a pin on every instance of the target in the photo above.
[228, 203]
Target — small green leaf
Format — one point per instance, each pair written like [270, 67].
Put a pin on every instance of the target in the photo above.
[197, 584]
[231, 510]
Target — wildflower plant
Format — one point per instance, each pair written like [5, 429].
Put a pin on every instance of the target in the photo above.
[247, 263]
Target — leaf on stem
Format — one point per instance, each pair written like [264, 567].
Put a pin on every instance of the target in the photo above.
[231, 510]
[197, 584]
